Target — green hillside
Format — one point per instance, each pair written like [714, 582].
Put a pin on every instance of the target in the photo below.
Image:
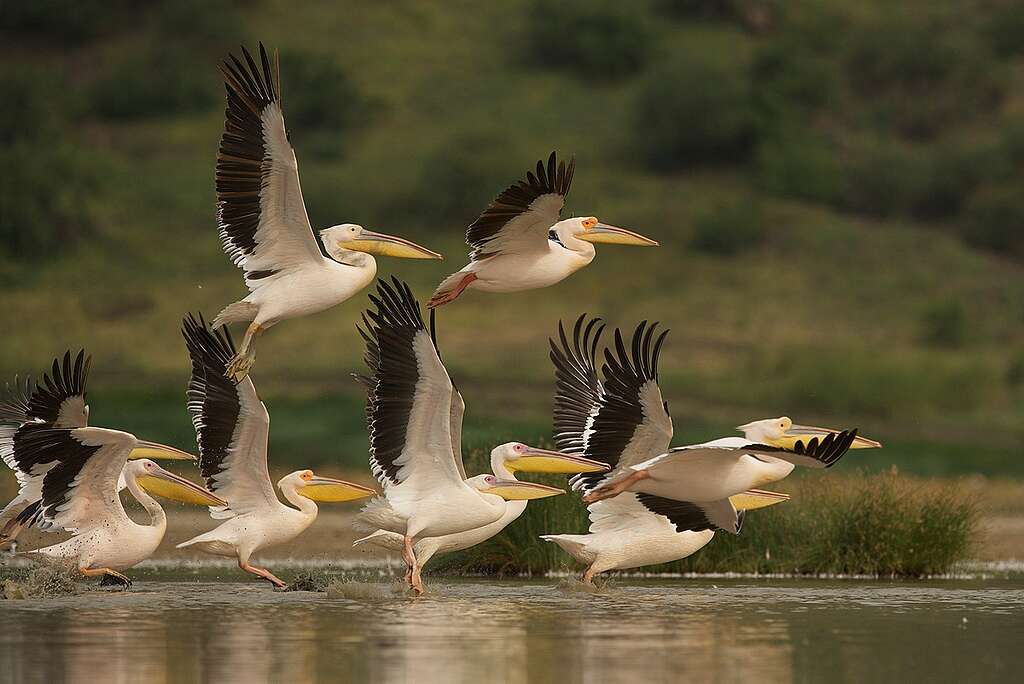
[836, 188]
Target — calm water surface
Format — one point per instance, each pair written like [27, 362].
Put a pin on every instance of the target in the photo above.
[524, 631]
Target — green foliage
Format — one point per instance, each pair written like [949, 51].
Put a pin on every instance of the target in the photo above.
[995, 220]
[65, 21]
[1004, 28]
[157, 83]
[598, 41]
[944, 324]
[694, 111]
[879, 525]
[799, 163]
[730, 230]
[323, 103]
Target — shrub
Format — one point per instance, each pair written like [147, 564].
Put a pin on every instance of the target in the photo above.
[730, 230]
[322, 102]
[692, 112]
[598, 41]
[944, 324]
[801, 164]
[1004, 29]
[995, 221]
[62, 21]
[158, 83]
[35, 101]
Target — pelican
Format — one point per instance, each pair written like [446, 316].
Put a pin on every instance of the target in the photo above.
[506, 460]
[232, 426]
[57, 401]
[520, 243]
[711, 471]
[262, 217]
[621, 421]
[410, 401]
[80, 495]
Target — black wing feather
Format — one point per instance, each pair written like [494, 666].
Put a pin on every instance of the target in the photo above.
[577, 387]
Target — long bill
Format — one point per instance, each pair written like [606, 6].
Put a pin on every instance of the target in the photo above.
[753, 499]
[389, 245]
[157, 451]
[170, 486]
[514, 490]
[805, 433]
[328, 489]
[547, 461]
[614, 235]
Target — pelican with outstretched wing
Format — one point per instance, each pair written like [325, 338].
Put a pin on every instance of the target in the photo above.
[520, 241]
[58, 401]
[263, 223]
[411, 411]
[232, 426]
[80, 495]
[622, 421]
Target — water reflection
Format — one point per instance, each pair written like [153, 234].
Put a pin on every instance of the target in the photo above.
[522, 632]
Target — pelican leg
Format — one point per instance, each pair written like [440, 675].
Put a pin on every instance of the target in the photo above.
[413, 576]
[242, 363]
[263, 573]
[616, 488]
[109, 577]
[588, 576]
[453, 294]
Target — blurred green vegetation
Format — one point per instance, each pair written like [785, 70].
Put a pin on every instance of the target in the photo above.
[835, 187]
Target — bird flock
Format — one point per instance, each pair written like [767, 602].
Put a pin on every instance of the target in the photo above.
[648, 502]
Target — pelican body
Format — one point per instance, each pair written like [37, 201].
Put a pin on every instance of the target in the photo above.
[520, 243]
[232, 427]
[262, 218]
[413, 413]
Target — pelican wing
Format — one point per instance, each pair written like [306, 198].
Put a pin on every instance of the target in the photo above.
[58, 400]
[263, 223]
[231, 424]
[632, 421]
[80, 489]
[632, 512]
[577, 386]
[409, 401]
[816, 453]
[458, 410]
[520, 216]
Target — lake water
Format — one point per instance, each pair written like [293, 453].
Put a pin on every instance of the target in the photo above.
[479, 630]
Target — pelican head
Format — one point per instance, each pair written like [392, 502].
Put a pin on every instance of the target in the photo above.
[589, 229]
[156, 480]
[781, 432]
[324, 489]
[353, 237]
[512, 490]
[518, 456]
[159, 451]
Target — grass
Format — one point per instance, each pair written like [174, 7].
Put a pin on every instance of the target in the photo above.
[877, 524]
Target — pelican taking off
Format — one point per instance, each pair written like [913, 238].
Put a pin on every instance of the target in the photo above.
[80, 495]
[409, 411]
[57, 401]
[263, 223]
[621, 421]
[232, 426]
[520, 243]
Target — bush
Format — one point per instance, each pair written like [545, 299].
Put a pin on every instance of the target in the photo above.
[1004, 29]
[995, 221]
[695, 111]
[35, 101]
[161, 82]
[880, 178]
[801, 164]
[322, 103]
[62, 21]
[598, 41]
[730, 230]
[944, 324]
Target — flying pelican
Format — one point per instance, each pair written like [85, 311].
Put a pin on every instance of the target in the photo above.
[409, 412]
[506, 460]
[232, 426]
[712, 471]
[57, 401]
[621, 421]
[80, 495]
[520, 243]
[263, 223]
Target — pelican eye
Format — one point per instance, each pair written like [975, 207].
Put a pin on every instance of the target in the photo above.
[589, 223]
[307, 475]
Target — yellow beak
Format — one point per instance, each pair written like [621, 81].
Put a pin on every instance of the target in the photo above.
[753, 499]
[171, 486]
[615, 236]
[545, 461]
[388, 245]
[514, 490]
[327, 489]
[805, 433]
[160, 452]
